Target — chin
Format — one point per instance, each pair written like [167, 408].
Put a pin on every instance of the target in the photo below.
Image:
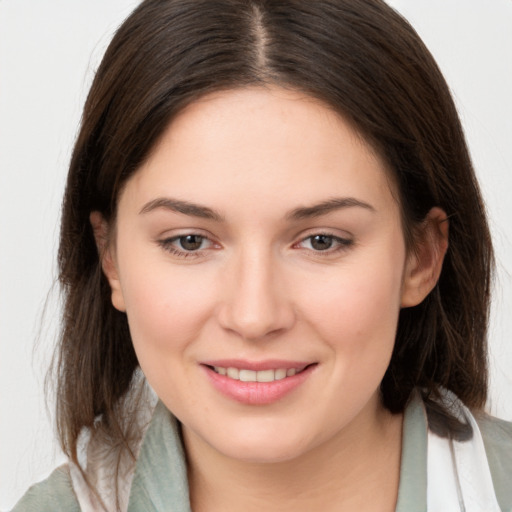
[264, 453]
[262, 445]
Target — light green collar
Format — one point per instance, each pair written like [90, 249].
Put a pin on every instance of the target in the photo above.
[160, 480]
[412, 490]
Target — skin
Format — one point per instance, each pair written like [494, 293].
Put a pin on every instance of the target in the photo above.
[258, 289]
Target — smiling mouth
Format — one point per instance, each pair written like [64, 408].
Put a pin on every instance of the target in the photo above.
[257, 383]
[245, 375]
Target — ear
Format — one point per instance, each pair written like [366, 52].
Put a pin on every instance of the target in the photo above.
[425, 261]
[106, 252]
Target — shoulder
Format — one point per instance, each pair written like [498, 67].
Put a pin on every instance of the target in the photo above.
[495, 431]
[51, 495]
[497, 438]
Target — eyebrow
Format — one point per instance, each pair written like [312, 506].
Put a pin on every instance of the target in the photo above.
[301, 213]
[326, 207]
[184, 207]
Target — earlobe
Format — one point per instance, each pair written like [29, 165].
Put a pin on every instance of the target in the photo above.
[107, 258]
[424, 264]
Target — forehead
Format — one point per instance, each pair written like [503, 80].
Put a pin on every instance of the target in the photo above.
[278, 145]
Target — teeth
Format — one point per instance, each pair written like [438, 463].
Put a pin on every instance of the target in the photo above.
[247, 376]
[233, 373]
[265, 376]
[256, 376]
[280, 374]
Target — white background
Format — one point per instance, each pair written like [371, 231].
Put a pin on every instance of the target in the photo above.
[48, 52]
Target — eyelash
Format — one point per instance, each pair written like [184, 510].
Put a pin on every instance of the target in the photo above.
[167, 244]
[342, 244]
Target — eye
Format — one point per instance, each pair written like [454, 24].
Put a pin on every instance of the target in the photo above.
[190, 242]
[325, 242]
[321, 242]
[187, 245]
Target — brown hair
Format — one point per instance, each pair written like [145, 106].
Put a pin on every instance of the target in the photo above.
[359, 57]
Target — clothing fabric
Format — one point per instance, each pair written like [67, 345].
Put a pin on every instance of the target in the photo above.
[458, 473]
[461, 476]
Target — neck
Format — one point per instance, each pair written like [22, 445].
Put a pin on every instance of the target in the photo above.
[358, 469]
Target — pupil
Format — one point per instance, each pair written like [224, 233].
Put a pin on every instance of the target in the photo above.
[191, 242]
[321, 242]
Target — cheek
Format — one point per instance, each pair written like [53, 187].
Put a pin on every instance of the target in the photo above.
[356, 319]
[166, 312]
[166, 307]
[356, 311]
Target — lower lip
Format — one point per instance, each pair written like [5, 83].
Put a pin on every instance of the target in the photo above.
[257, 393]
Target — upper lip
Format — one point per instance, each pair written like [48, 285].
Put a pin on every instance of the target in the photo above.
[269, 364]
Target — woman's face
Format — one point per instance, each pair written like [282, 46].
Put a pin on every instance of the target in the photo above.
[260, 259]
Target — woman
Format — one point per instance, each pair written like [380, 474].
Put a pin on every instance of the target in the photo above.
[271, 216]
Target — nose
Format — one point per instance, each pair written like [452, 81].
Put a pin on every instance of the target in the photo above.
[255, 303]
